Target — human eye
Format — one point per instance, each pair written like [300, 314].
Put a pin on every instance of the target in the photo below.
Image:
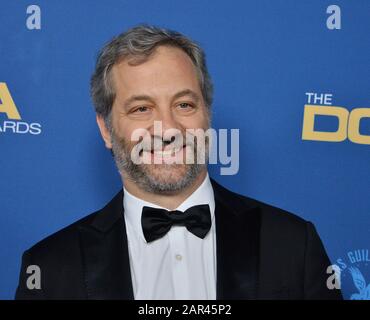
[140, 110]
[184, 106]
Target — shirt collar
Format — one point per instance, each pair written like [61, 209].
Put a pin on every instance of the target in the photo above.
[133, 206]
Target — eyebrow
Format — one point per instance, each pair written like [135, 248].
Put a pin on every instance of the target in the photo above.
[144, 97]
[134, 98]
[186, 92]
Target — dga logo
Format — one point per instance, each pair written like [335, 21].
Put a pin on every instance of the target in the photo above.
[13, 124]
[355, 274]
[349, 122]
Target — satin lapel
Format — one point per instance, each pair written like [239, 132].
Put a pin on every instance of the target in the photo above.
[238, 233]
[105, 254]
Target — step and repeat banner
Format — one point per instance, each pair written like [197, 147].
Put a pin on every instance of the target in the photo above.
[292, 76]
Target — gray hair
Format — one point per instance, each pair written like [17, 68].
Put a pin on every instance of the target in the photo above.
[139, 43]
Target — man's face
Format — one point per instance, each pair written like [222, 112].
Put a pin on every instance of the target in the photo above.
[164, 88]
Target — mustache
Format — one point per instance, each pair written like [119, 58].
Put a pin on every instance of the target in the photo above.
[157, 143]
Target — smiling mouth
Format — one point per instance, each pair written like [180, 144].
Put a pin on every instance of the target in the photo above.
[167, 152]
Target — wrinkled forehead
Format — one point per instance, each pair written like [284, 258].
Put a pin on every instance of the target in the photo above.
[168, 69]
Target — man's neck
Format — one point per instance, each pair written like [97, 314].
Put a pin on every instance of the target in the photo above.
[168, 201]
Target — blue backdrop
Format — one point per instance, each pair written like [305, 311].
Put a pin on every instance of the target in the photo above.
[264, 56]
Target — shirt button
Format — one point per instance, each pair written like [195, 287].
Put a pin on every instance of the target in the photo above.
[179, 257]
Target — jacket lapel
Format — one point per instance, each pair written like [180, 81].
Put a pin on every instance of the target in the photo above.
[238, 232]
[105, 254]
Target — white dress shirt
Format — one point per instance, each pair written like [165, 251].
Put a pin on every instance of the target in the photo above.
[177, 266]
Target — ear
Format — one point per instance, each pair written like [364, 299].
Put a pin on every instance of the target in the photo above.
[104, 131]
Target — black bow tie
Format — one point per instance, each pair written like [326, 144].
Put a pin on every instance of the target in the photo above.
[157, 222]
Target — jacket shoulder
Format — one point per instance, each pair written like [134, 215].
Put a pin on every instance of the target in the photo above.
[269, 213]
[63, 240]
[68, 237]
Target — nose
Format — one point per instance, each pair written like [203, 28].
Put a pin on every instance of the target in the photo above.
[167, 118]
[170, 126]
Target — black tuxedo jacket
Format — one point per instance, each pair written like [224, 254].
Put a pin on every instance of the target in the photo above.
[263, 252]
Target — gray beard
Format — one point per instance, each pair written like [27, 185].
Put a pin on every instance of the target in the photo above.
[140, 173]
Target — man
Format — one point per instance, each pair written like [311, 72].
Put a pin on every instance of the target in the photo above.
[172, 232]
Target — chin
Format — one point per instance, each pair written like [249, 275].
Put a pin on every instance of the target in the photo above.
[167, 173]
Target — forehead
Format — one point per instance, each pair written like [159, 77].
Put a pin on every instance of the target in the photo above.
[167, 70]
